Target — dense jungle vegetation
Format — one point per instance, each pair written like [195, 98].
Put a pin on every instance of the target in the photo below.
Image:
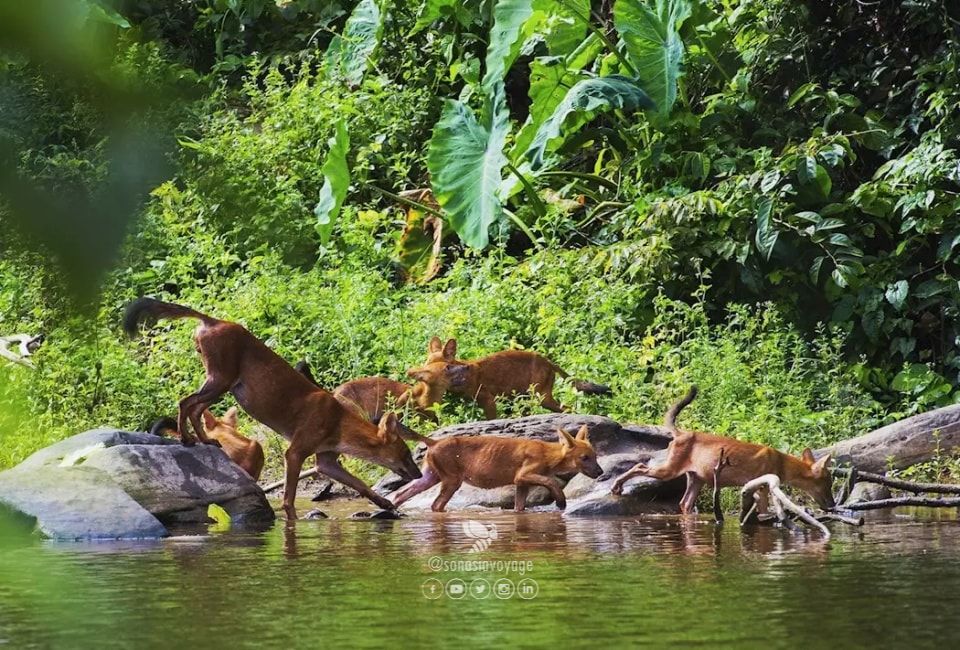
[757, 196]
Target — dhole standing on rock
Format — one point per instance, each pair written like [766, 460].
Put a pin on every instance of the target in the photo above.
[511, 372]
[697, 454]
[243, 451]
[273, 393]
[495, 461]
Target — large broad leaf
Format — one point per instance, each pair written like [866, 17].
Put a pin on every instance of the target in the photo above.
[580, 105]
[466, 161]
[564, 26]
[418, 253]
[336, 179]
[431, 11]
[550, 80]
[509, 17]
[650, 32]
[767, 235]
[359, 41]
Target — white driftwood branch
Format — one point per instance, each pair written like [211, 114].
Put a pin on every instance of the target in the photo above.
[779, 501]
[307, 473]
[24, 344]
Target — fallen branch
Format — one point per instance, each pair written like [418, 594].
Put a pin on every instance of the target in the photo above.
[25, 343]
[723, 461]
[832, 516]
[950, 502]
[780, 502]
[900, 484]
[307, 473]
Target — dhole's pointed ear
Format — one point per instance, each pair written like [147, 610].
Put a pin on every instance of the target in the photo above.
[583, 433]
[230, 417]
[450, 350]
[388, 424]
[807, 456]
[418, 373]
[209, 420]
[565, 439]
[435, 344]
[820, 466]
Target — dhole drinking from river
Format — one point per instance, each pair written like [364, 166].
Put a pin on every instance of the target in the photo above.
[273, 393]
[697, 455]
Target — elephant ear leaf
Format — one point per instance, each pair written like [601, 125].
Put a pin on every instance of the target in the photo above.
[465, 161]
[361, 35]
[336, 180]
[581, 103]
[651, 35]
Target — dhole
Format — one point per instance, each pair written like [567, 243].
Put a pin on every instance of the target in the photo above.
[244, 451]
[275, 394]
[369, 395]
[483, 380]
[494, 461]
[696, 454]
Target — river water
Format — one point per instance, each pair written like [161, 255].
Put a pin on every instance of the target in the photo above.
[487, 579]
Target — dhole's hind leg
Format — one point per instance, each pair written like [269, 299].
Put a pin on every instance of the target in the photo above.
[447, 490]
[548, 402]
[520, 498]
[413, 488]
[192, 406]
[689, 501]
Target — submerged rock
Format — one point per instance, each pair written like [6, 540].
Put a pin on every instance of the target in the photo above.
[315, 514]
[864, 491]
[618, 447]
[117, 484]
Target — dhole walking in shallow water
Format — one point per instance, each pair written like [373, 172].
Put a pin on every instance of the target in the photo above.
[273, 393]
[697, 454]
[511, 372]
[495, 461]
[244, 451]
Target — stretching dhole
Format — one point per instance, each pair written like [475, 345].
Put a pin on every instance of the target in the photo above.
[273, 393]
[511, 372]
[697, 454]
[495, 461]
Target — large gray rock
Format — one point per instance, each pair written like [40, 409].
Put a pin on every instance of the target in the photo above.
[74, 503]
[864, 491]
[117, 484]
[618, 448]
[902, 443]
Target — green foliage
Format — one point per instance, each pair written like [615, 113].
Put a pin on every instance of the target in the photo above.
[350, 55]
[336, 179]
[652, 39]
[581, 103]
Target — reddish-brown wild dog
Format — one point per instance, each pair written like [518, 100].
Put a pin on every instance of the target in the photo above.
[511, 372]
[245, 452]
[371, 396]
[696, 454]
[273, 393]
[495, 461]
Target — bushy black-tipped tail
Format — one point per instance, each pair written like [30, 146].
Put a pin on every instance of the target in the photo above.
[670, 419]
[304, 369]
[143, 310]
[164, 426]
[591, 388]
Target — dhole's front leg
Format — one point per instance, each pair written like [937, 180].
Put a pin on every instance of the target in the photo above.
[520, 498]
[329, 463]
[547, 482]
[640, 469]
[487, 403]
